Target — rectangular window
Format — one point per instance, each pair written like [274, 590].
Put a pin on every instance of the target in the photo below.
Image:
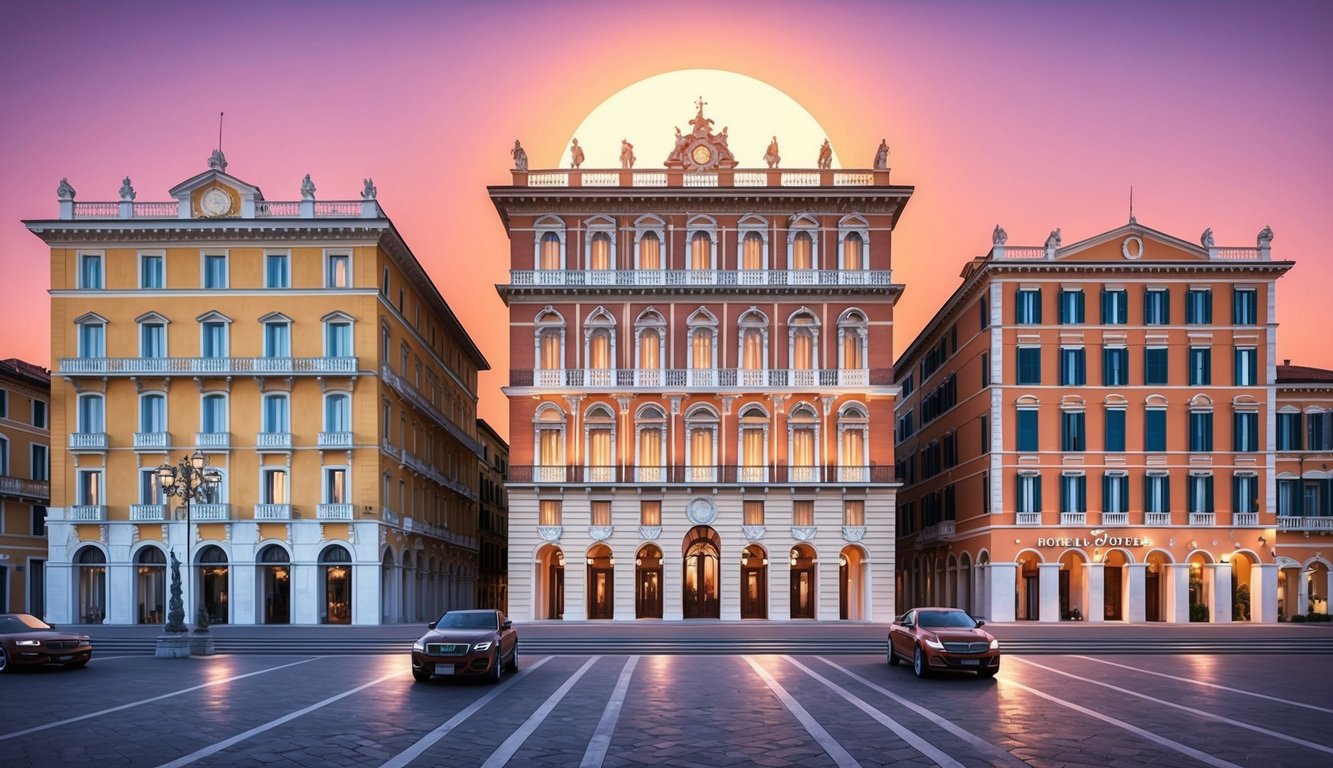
[38, 413]
[1115, 493]
[1073, 366]
[1073, 431]
[1201, 494]
[338, 340]
[1199, 306]
[549, 512]
[1201, 366]
[1201, 431]
[1029, 365]
[276, 274]
[1115, 306]
[277, 340]
[1073, 493]
[150, 487]
[338, 272]
[1319, 431]
[1289, 431]
[1156, 307]
[335, 485]
[152, 340]
[983, 310]
[1114, 439]
[1154, 430]
[89, 488]
[276, 417]
[854, 512]
[650, 512]
[803, 513]
[4, 403]
[1154, 365]
[1027, 430]
[1115, 366]
[1288, 495]
[1244, 494]
[985, 433]
[41, 462]
[1029, 493]
[38, 520]
[1245, 431]
[213, 339]
[1247, 366]
[601, 513]
[1244, 306]
[90, 271]
[215, 270]
[752, 512]
[985, 369]
[152, 271]
[275, 486]
[1028, 307]
[1071, 307]
[1157, 494]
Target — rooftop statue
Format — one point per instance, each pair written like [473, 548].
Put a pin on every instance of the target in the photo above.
[1265, 237]
[127, 190]
[307, 188]
[626, 154]
[368, 191]
[701, 149]
[825, 156]
[882, 156]
[217, 161]
[1053, 239]
[703, 126]
[575, 154]
[520, 156]
[771, 157]
[64, 191]
[999, 236]
[1206, 239]
[724, 152]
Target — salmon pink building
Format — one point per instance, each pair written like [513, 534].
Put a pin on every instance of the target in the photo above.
[700, 394]
[1304, 537]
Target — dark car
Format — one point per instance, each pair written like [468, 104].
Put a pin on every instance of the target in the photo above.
[943, 638]
[466, 644]
[26, 640]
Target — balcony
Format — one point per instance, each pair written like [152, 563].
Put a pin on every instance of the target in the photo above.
[333, 511]
[148, 512]
[1073, 518]
[414, 396]
[156, 441]
[1244, 518]
[87, 513]
[619, 379]
[250, 209]
[942, 531]
[24, 488]
[1115, 518]
[212, 439]
[207, 366]
[726, 177]
[1203, 518]
[686, 475]
[209, 512]
[1157, 518]
[1300, 523]
[335, 440]
[274, 441]
[427, 470]
[1028, 518]
[87, 441]
[699, 278]
[273, 511]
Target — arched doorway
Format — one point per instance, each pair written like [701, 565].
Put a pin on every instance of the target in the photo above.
[1154, 584]
[1316, 587]
[601, 583]
[1241, 563]
[802, 562]
[150, 586]
[214, 575]
[851, 584]
[754, 583]
[1074, 587]
[275, 585]
[1114, 568]
[1029, 586]
[648, 583]
[90, 564]
[703, 551]
[1201, 590]
[335, 565]
[548, 597]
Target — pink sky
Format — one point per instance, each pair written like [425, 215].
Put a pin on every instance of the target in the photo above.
[1030, 115]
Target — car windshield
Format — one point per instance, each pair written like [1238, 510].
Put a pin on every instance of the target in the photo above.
[457, 620]
[21, 623]
[945, 619]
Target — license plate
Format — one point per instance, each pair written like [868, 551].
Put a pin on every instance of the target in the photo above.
[444, 669]
[971, 662]
[66, 658]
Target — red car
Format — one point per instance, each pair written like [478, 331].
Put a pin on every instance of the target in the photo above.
[26, 640]
[943, 638]
[466, 644]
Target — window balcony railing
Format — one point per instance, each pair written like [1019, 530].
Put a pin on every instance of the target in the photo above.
[88, 441]
[1302, 523]
[704, 378]
[210, 512]
[1244, 518]
[1157, 518]
[206, 366]
[333, 511]
[25, 488]
[273, 511]
[152, 440]
[1203, 518]
[259, 209]
[1073, 518]
[1115, 518]
[87, 513]
[942, 531]
[335, 439]
[681, 474]
[1028, 518]
[417, 398]
[698, 278]
[212, 439]
[148, 512]
[280, 440]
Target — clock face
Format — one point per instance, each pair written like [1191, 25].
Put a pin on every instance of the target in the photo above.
[701, 154]
[215, 202]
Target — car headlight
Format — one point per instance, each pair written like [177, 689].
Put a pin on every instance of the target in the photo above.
[994, 644]
[482, 646]
[419, 645]
[933, 643]
[30, 643]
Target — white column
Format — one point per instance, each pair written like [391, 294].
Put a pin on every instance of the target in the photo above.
[624, 586]
[1001, 586]
[1219, 597]
[1263, 593]
[1177, 608]
[672, 586]
[779, 584]
[1049, 575]
[121, 599]
[576, 584]
[1135, 609]
[826, 589]
[729, 584]
[1094, 592]
[243, 592]
[868, 612]
[1302, 605]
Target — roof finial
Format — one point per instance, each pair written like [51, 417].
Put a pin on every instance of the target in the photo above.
[1131, 205]
[220, 114]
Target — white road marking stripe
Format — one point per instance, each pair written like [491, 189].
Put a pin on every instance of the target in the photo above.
[212, 749]
[976, 741]
[1196, 712]
[1202, 757]
[182, 691]
[916, 742]
[500, 757]
[1228, 689]
[606, 727]
[429, 740]
[829, 744]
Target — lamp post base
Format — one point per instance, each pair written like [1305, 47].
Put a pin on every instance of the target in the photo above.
[201, 643]
[174, 645]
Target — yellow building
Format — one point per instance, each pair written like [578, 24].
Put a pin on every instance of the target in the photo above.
[303, 349]
[25, 466]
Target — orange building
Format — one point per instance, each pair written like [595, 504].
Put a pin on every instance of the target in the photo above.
[1304, 537]
[1087, 431]
[300, 347]
[700, 402]
[493, 523]
[25, 469]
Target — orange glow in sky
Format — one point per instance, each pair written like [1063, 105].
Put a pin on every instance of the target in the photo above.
[1028, 115]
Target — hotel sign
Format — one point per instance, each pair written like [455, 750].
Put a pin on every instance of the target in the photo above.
[1095, 539]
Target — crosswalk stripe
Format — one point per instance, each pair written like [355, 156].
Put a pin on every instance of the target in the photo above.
[825, 740]
[1288, 702]
[606, 727]
[500, 756]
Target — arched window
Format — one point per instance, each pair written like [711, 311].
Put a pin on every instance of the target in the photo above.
[853, 234]
[753, 449]
[752, 251]
[336, 585]
[650, 444]
[150, 586]
[600, 347]
[90, 597]
[550, 443]
[338, 413]
[803, 347]
[703, 348]
[152, 419]
[802, 251]
[701, 232]
[599, 252]
[649, 231]
[753, 344]
[649, 358]
[853, 337]
[599, 426]
[853, 437]
[701, 251]
[701, 445]
[549, 352]
[853, 252]
[92, 414]
[549, 245]
[650, 251]
[803, 444]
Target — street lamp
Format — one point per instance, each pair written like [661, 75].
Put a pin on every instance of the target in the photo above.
[191, 480]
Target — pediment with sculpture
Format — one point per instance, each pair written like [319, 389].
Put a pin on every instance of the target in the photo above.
[701, 149]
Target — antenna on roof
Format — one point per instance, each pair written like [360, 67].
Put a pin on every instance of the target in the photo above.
[1131, 205]
[220, 114]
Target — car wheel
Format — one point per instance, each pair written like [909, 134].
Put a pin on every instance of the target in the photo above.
[893, 657]
[512, 666]
[919, 663]
[494, 676]
[420, 675]
[4, 659]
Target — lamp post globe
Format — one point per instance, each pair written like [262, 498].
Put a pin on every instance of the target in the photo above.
[190, 480]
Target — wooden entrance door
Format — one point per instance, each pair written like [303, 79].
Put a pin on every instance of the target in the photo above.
[1152, 594]
[701, 577]
[803, 593]
[648, 592]
[555, 593]
[1112, 592]
[601, 596]
[754, 592]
